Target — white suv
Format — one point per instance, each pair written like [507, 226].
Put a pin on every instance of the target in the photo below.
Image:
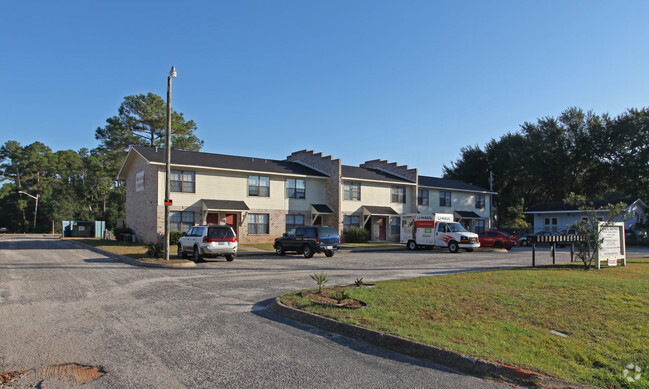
[203, 241]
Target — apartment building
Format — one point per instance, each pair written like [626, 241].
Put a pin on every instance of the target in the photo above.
[262, 198]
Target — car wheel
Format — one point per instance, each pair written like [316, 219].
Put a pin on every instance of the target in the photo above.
[196, 255]
[412, 245]
[329, 253]
[453, 246]
[279, 249]
[181, 252]
[307, 251]
[229, 257]
[498, 244]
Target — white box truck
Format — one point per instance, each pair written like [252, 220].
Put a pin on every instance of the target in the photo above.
[436, 229]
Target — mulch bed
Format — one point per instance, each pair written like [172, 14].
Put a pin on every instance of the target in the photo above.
[326, 297]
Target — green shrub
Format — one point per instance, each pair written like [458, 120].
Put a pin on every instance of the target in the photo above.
[174, 236]
[357, 235]
[155, 250]
[120, 231]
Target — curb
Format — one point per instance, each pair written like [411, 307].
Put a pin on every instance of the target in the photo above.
[132, 261]
[454, 360]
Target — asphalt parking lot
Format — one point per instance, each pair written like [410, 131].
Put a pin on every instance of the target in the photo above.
[207, 326]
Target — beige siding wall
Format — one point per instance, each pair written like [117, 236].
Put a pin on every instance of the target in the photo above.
[234, 186]
[461, 201]
[378, 194]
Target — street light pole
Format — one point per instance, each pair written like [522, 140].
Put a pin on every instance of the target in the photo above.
[35, 206]
[172, 74]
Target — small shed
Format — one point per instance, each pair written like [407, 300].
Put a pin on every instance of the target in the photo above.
[83, 229]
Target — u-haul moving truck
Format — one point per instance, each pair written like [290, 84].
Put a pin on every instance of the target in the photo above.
[436, 229]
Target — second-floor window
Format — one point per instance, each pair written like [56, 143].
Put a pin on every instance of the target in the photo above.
[182, 181]
[398, 194]
[295, 189]
[352, 190]
[422, 197]
[479, 201]
[259, 186]
[444, 199]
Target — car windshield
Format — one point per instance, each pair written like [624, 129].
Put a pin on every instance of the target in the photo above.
[220, 233]
[456, 227]
[504, 233]
[327, 231]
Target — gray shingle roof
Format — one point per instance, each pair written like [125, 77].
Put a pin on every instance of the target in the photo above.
[194, 158]
[362, 173]
[445, 183]
[380, 211]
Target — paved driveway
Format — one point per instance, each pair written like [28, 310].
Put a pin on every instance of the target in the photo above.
[206, 326]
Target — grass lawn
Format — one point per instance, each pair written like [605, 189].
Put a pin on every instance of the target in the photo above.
[373, 245]
[261, 246]
[133, 250]
[506, 316]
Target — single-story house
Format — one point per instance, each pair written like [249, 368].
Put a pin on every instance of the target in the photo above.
[559, 215]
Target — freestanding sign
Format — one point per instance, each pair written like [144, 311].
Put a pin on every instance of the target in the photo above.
[613, 247]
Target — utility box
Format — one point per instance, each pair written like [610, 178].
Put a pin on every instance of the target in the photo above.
[83, 229]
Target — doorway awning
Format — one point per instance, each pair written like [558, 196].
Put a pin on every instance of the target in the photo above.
[319, 209]
[378, 211]
[369, 211]
[224, 205]
[467, 215]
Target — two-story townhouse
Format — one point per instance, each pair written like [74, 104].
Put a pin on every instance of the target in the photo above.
[557, 216]
[470, 204]
[259, 198]
[262, 198]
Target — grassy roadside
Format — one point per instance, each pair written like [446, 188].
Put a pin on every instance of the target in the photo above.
[132, 250]
[507, 315]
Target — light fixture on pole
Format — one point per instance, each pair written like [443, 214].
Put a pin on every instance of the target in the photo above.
[35, 206]
[172, 74]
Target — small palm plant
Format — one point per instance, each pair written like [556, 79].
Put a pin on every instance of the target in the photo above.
[342, 295]
[359, 282]
[320, 279]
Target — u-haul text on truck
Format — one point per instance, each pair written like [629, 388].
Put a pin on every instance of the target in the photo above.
[436, 229]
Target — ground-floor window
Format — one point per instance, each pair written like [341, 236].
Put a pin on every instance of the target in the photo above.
[479, 226]
[350, 221]
[258, 223]
[293, 221]
[181, 221]
[395, 226]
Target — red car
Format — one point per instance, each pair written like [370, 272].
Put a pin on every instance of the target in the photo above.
[497, 239]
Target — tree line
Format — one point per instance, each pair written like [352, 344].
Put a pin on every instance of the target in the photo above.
[83, 185]
[579, 153]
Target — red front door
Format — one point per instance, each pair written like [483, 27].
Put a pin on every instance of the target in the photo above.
[212, 218]
[382, 229]
[231, 220]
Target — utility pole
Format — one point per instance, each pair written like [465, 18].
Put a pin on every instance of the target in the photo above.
[35, 206]
[167, 200]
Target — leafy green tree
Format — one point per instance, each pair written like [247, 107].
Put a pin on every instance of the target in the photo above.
[590, 227]
[142, 120]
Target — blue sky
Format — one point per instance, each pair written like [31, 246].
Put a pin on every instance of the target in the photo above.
[406, 81]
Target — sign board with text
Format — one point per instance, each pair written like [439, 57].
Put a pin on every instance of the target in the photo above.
[613, 247]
